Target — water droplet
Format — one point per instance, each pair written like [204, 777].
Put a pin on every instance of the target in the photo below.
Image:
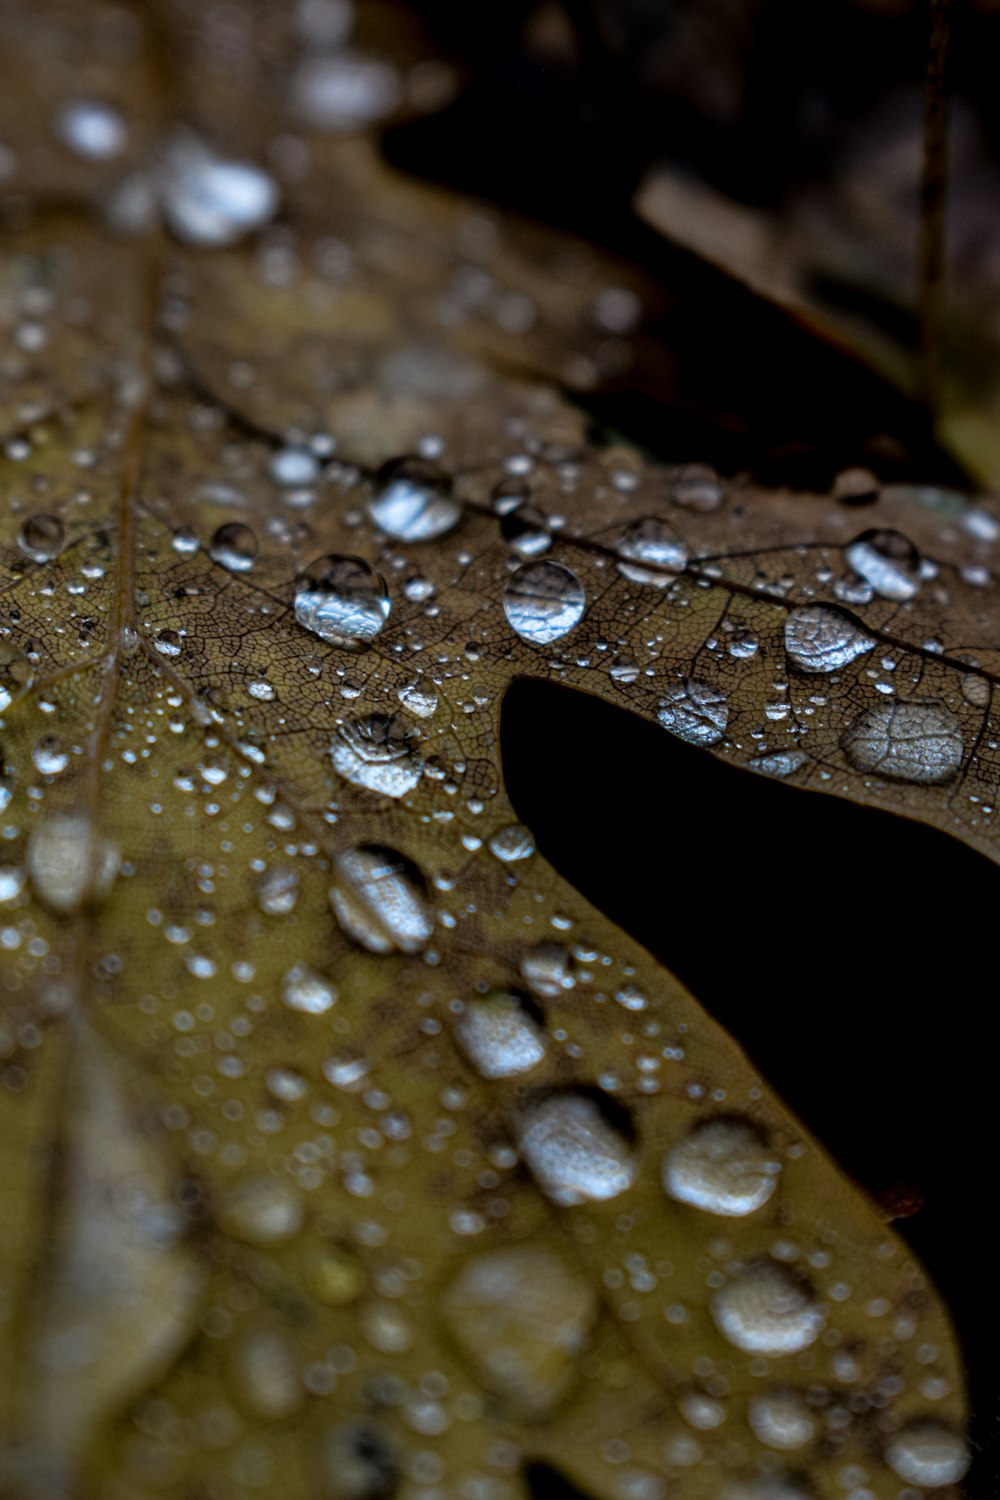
[412, 501]
[184, 541]
[917, 740]
[695, 712]
[765, 1309]
[975, 690]
[266, 1374]
[303, 989]
[543, 601]
[291, 467]
[334, 1275]
[167, 643]
[210, 201]
[781, 1419]
[377, 897]
[376, 752]
[91, 129]
[698, 488]
[779, 762]
[41, 538]
[743, 645]
[927, 1453]
[11, 882]
[69, 863]
[261, 1210]
[278, 891]
[359, 1464]
[344, 91]
[15, 673]
[511, 843]
[525, 530]
[722, 1166]
[419, 697]
[548, 969]
[822, 638]
[234, 546]
[575, 1147]
[624, 669]
[502, 1034]
[651, 552]
[521, 1317]
[342, 600]
[887, 561]
[49, 757]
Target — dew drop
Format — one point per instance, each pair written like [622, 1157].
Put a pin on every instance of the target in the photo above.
[15, 674]
[781, 1419]
[501, 1034]
[291, 467]
[167, 643]
[184, 541]
[11, 883]
[303, 989]
[975, 690]
[41, 538]
[210, 201]
[521, 1317]
[548, 969]
[92, 129]
[722, 1166]
[574, 1147]
[69, 863]
[378, 899]
[917, 740]
[927, 1453]
[779, 762]
[266, 1374]
[261, 1210]
[766, 1310]
[344, 91]
[511, 843]
[695, 712]
[412, 501]
[525, 530]
[278, 891]
[624, 669]
[821, 638]
[234, 547]
[419, 698]
[651, 552]
[887, 561]
[376, 752]
[543, 601]
[342, 600]
[49, 757]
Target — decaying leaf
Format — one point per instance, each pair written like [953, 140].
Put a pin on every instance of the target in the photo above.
[347, 1152]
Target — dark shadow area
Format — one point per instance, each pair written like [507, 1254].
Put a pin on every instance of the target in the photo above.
[546, 1483]
[847, 950]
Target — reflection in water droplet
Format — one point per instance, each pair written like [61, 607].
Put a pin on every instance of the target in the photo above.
[927, 1453]
[821, 638]
[651, 552]
[412, 501]
[41, 538]
[511, 844]
[261, 1210]
[781, 1419]
[501, 1034]
[525, 530]
[377, 897]
[342, 600]
[419, 698]
[278, 891]
[359, 1463]
[543, 601]
[376, 752]
[234, 546]
[303, 989]
[695, 712]
[521, 1317]
[887, 561]
[917, 740]
[69, 863]
[208, 200]
[722, 1166]
[767, 1310]
[573, 1148]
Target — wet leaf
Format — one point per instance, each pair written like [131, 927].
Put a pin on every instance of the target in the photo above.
[348, 1153]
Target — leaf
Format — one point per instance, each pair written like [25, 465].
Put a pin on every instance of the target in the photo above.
[365, 1159]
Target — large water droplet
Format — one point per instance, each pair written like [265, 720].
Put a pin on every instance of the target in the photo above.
[41, 538]
[821, 638]
[917, 740]
[575, 1147]
[766, 1310]
[887, 561]
[303, 989]
[412, 501]
[521, 1317]
[781, 1419]
[210, 201]
[695, 712]
[261, 1210]
[234, 546]
[651, 552]
[377, 752]
[722, 1166]
[543, 601]
[927, 1453]
[69, 863]
[502, 1034]
[378, 899]
[342, 600]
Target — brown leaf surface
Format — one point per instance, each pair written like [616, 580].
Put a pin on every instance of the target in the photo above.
[347, 1152]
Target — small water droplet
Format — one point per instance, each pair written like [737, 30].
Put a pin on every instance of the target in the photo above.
[167, 643]
[342, 600]
[927, 1453]
[975, 690]
[765, 1309]
[695, 712]
[184, 541]
[12, 882]
[624, 669]
[511, 844]
[886, 560]
[501, 1033]
[822, 638]
[377, 752]
[419, 697]
[303, 989]
[234, 546]
[412, 501]
[651, 552]
[261, 1210]
[292, 467]
[917, 740]
[548, 969]
[49, 757]
[377, 897]
[543, 601]
[15, 673]
[92, 129]
[278, 891]
[781, 1419]
[41, 538]
[210, 201]
[576, 1147]
[266, 1374]
[698, 488]
[344, 91]
[69, 863]
[779, 762]
[721, 1166]
[525, 530]
[743, 645]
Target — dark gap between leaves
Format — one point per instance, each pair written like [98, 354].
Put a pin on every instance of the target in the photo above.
[846, 949]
